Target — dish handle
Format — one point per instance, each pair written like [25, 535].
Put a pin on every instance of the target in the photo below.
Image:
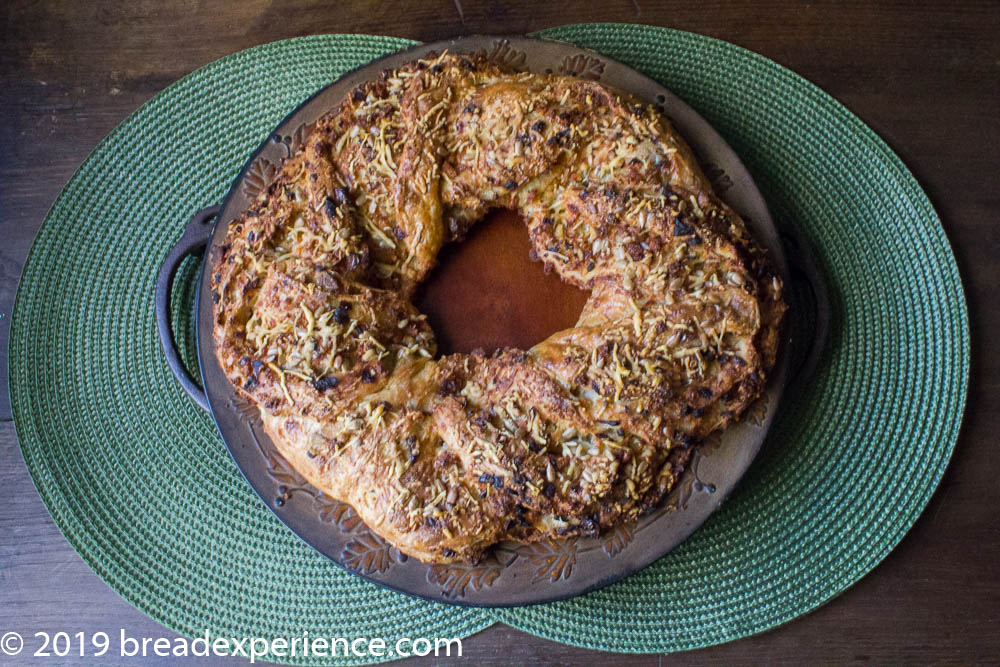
[196, 236]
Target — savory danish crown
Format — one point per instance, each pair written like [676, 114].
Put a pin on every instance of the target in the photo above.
[445, 456]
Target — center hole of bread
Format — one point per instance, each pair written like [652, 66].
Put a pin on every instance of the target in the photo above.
[485, 291]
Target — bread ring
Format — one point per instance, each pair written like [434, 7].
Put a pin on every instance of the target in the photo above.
[445, 456]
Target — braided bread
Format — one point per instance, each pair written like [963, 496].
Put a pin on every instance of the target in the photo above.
[445, 456]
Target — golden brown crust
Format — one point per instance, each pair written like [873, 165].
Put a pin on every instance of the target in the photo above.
[444, 457]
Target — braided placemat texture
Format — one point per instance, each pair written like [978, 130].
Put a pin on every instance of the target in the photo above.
[137, 479]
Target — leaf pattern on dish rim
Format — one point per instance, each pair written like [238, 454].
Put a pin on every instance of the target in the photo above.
[367, 553]
[582, 65]
[258, 177]
[454, 578]
[502, 53]
[248, 412]
[553, 559]
[336, 512]
[618, 539]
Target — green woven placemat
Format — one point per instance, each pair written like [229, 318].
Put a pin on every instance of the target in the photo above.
[140, 483]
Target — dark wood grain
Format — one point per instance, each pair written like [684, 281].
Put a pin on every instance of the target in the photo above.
[924, 75]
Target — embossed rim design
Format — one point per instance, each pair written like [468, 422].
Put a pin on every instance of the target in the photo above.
[512, 575]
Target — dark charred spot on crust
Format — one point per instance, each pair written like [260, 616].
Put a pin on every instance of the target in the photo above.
[330, 206]
[706, 392]
[496, 481]
[368, 375]
[325, 382]
[549, 490]
[686, 439]
[358, 95]
[342, 314]
[448, 553]
[250, 384]
[521, 518]
[539, 126]
[511, 185]
[681, 228]
[256, 365]
[558, 139]
[470, 108]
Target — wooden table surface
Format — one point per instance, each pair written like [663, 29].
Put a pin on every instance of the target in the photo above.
[924, 75]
